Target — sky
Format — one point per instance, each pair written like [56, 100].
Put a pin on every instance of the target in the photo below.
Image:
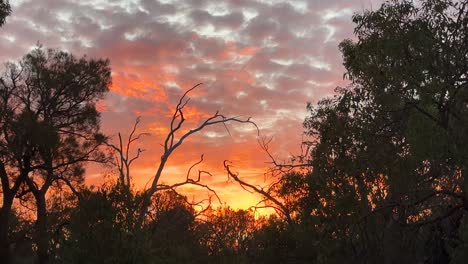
[263, 59]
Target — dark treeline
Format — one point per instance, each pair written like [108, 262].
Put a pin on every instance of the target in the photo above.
[382, 180]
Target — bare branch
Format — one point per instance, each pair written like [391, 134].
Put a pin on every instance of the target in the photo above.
[280, 206]
[171, 143]
[283, 167]
[190, 181]
[124, 161]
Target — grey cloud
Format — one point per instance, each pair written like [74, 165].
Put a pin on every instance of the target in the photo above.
[170, 35]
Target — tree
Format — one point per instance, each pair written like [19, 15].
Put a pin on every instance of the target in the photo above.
[50, 127]
[100, 229]
[122, 159]
[226, 232]
[5, 11]
[163, 232]
[173, 229]
[388, 163]
[174, 141]
[387, 178]
[274, 242]
[109, 211]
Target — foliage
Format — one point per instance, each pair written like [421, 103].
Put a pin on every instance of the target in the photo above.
[225, 233]
[110, 212]
[111, 240]
[5, 10]
[388, 158]
[384, 180]
[388, 168]
[50, 128]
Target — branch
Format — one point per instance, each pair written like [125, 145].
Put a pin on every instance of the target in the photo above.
[124, 161]
[70, 185]
[171, 144]
[448, 213]
[282, 208]
[190, 181]
[423, 199]
[283, 167]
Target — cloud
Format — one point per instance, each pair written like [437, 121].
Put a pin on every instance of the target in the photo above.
[259, 58]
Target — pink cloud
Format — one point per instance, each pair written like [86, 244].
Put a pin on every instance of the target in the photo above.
[254, 58]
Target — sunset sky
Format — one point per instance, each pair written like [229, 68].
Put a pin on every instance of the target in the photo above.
[263, 59]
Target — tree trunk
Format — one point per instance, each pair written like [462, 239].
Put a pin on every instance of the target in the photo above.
[5, 214]
[145, 204]
[464, 171]
[42, 237]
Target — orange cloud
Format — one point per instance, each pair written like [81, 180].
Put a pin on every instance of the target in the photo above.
[266, 63]
[248, 51]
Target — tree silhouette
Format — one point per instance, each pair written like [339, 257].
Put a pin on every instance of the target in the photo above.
[387, 157]
[388, 168]
[173, 141]
[382, 177]
[50, 127]
[5, 10]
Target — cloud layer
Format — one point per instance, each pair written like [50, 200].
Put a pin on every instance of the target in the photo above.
[260, 58]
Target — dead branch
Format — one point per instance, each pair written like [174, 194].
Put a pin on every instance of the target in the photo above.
[124, 160]
[172, 142]
[265, 203]
[280, 168]
[190, 181]
[265, 193]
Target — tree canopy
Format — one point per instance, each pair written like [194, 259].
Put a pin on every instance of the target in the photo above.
[389, 160]
[50, 127]
[5, 10]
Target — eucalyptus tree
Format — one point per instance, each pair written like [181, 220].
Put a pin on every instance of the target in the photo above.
[390, 157]
[5, 10]
[49, 128]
